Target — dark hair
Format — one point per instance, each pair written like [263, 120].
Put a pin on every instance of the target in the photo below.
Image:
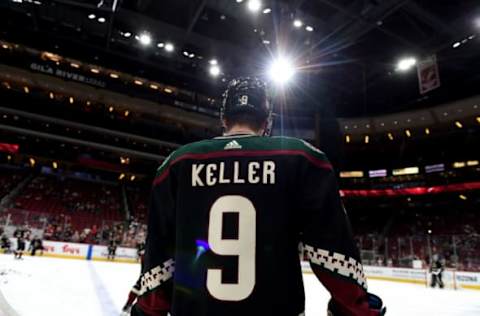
[252, 120]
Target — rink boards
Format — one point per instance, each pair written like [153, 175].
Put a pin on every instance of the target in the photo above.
[452, 279]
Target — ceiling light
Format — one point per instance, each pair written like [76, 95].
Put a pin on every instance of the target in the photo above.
[297, 23]
[127, 34]
[239, 1]
[281, 70]
[390, 136]
[26, 89]
[213, 62]
[367, 139]
[267, 11]
[91, 16]
[132, 178]
[214, 71]
[154, 86]
[462, 197]
[126, 113]
[406, 64]
[71, 100]
[254, 5]
[95, 70]
[347, 139]
[408, 133]
[54, 165]
[266, 42]
[192, 55]
[32, 162]
[427, 131]
[138, 82]
[185, 53]
[121, 176]
[51, 95]
[145, 39]
[74, 65]
[458, 124]
[114, 75]
[169, 47]
[478, 119]
[101, 20]
[456, 44]
[309, 28]
[110, 109]
[161, 45]
[168, 90]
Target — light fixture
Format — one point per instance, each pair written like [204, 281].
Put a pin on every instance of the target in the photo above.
[214, 70]
[124, 160]
[26, 89]
[132, 177]
[169, 47]
[138, 82]
[266, 42]
[153, 86]
[160, 45]
[390, 136]
[185, 53]
[267, 10]
[239, 1]
[168, 90]
[213, 62]
[121, 176]
[367, 139]
[9, 157]
[281, 70]
[145, 39]
[463, 197]
[101, 20]
[110, 109]
[408, 133]
[54, 165]
[429, 231]
[254, 5]
[126, 113]
[91, 16]
[309, 28]
[127, 34]
[297, 23]
[114, 75]
[348, 139]
[71, 100]
[95, 70]
[406, 64]
[192, 55]
[32, 162]
[456, 44]
[51, 95]
[74, 65]
[478, 119]
[427, 131]
[458, 124]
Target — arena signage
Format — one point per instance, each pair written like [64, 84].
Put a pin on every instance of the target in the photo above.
[47, 69]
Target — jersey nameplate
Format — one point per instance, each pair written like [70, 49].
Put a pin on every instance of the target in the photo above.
[257, 172]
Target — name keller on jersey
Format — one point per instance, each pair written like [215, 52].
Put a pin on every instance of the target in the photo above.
[258, 172]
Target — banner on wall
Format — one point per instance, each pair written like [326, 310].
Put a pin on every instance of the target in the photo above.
[428, 74]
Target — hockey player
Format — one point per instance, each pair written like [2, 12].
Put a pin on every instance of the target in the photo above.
[112, 249]
[5, 244]
[35, 245]
[20, 235]
[436, 270]
[226, 216]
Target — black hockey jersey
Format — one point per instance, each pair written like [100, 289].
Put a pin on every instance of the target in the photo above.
[225, 220]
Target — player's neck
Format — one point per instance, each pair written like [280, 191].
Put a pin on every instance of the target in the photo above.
[240, 130]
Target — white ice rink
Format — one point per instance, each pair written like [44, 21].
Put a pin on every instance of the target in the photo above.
[60, 287]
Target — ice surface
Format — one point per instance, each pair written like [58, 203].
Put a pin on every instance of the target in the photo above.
[59, 287]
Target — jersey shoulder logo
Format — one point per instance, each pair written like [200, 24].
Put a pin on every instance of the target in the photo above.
[232, 145]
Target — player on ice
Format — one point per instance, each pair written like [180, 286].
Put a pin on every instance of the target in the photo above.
[227, 214]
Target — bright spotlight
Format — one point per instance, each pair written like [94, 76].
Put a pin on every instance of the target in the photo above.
[145, 39]
[281, 70]
[254, 5]
[297, 23]
[406, 64]
[169, 47]
[214, 71]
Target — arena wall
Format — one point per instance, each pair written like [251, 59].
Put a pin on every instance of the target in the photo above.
[452, 279]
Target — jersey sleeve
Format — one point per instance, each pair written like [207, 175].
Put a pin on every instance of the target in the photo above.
[328, 241]
[156, 279]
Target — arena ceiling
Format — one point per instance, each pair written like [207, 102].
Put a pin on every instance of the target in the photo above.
[346, 50]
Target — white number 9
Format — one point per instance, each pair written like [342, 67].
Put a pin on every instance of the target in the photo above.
[243, 247]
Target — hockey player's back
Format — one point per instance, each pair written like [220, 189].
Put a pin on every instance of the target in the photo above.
[225, 220]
